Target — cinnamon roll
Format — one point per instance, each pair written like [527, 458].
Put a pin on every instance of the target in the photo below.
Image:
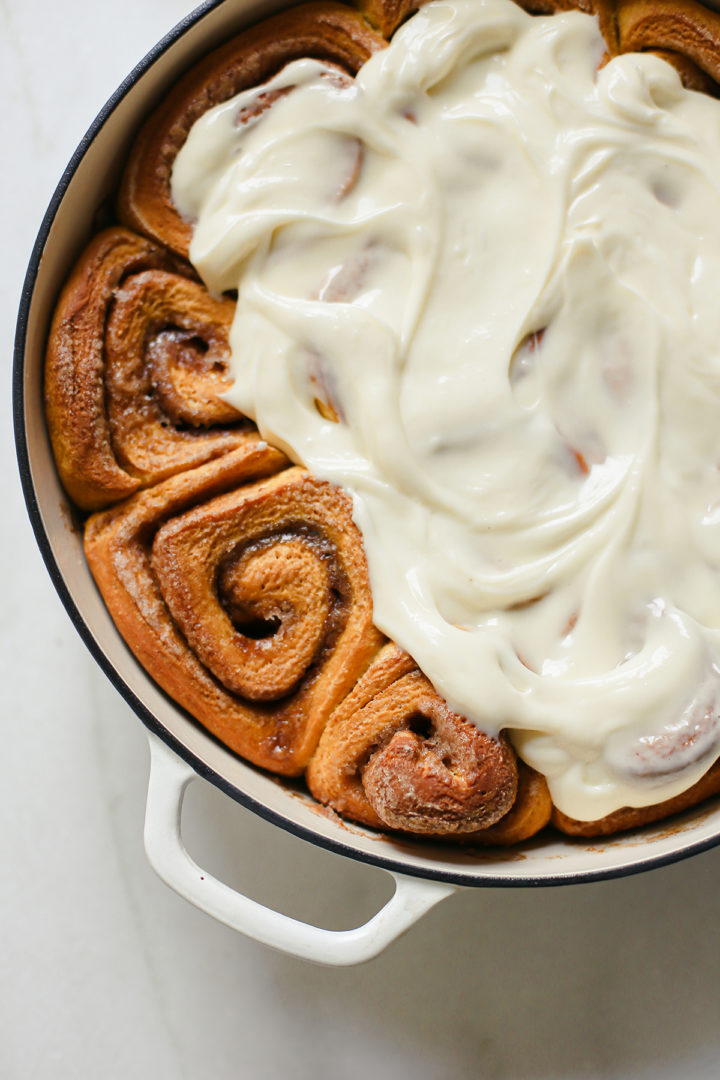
[634, 817]
[550, 7]
[386, 15]
[324, 30]
[136, 365]
[394, 755]
[247, 599]
[686, 33]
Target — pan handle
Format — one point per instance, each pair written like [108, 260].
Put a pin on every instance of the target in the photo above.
[169, 778]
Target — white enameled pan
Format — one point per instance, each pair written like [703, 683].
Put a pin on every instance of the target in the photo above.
[181, 750]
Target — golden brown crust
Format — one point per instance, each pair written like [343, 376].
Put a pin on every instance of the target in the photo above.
[136, 360]
[550, 7]
[394, 755]
[322, 30]
[530, 812]
[683, 32]
[630, 817]
[386, 15]
[200, 574]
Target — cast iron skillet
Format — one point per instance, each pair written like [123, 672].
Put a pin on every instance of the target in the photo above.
[424, 872]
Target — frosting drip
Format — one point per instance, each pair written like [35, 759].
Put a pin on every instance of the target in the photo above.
[477, 288]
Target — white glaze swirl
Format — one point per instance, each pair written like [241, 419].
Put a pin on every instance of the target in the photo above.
[499, 265]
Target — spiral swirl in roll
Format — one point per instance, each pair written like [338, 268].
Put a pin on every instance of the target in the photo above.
[394, 755]
[323, 30]
[136, 364]
[246, 599]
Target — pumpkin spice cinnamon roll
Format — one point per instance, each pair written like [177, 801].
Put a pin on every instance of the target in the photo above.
[326, 31]
[247, 599]
[634, 817]
[136, 363]
[394, 755]
[386, 15]
[686, 33]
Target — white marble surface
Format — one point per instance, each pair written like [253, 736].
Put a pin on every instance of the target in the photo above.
[106, 973]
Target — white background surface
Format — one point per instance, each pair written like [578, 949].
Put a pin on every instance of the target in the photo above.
[106, 973]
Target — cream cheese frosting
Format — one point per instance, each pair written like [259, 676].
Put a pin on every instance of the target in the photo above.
[477, 287]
